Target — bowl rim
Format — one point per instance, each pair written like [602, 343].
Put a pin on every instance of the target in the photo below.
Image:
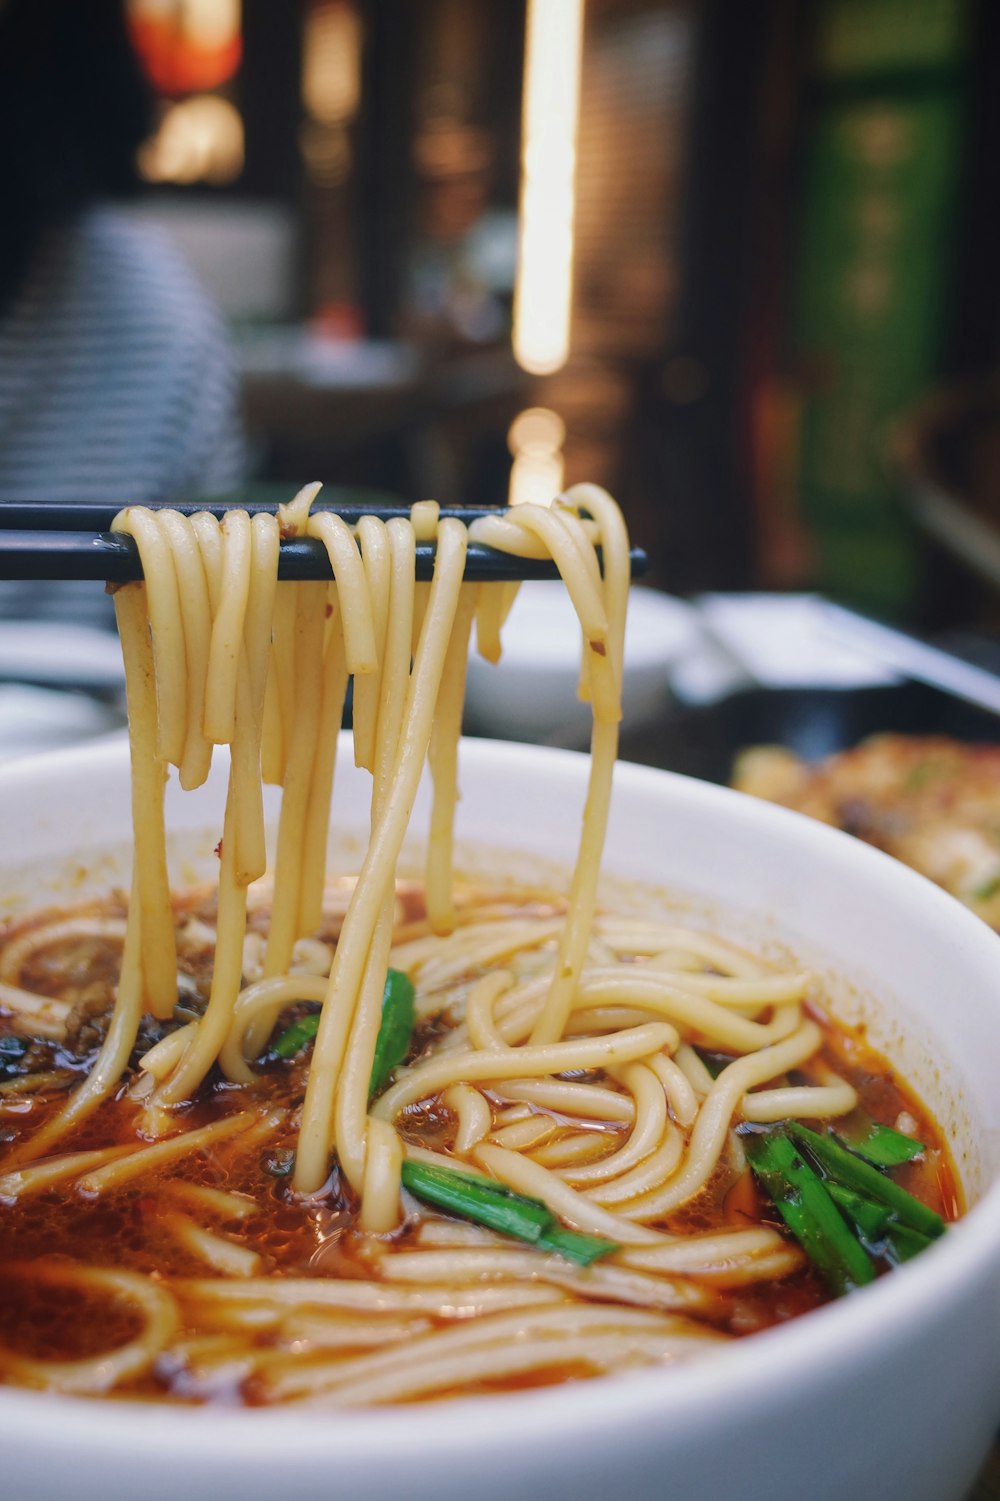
[678, 1397]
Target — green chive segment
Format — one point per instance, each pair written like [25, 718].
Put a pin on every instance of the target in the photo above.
[295, 1037]
[488, 1203]
[574, 1245]
[877, 1144]
[868, 1218]
[801, 1199]
[851, 1172]
[394, 1033]
[845, 1212]
[900, 1243]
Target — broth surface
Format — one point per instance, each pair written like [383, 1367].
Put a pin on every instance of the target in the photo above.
[241, 1352]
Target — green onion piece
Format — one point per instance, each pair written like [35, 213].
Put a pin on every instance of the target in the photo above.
[394, 1033]
[868, 1218]
[900, 1243]
[479, 1199]
[880, 1231]
[395, 1030]
[295, 1037]
[801, 1199]
[878, 1144]
[575, 1246]
[851, 1172]
[486, 1202]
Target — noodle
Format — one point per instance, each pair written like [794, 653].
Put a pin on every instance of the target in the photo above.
[560, 1051]
[160, 1320]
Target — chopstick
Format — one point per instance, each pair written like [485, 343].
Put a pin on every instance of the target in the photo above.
[55, 541]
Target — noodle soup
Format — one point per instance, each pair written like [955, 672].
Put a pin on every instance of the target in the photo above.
[363, 1145]
[782, 1400]
[229, 1287]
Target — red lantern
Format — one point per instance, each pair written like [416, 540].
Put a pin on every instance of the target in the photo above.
[188, 46]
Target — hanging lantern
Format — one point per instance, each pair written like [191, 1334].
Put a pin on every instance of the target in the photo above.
[186, 46]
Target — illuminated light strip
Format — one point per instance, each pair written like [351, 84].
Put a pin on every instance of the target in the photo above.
[551, 109]
[535, 440]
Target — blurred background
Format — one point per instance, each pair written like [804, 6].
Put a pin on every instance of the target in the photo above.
[707, 254]
[736, 262]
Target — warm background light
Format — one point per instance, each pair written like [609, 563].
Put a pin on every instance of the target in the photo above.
[199, 140]
[331, 62]
[187, 45]
[535, 440]
[551, 108]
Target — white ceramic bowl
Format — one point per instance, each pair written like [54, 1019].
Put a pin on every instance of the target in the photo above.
[892, 1393]
[530, 694]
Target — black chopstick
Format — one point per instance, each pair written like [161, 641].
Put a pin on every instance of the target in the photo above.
[55, 516]
[51, 540]
[40, 553]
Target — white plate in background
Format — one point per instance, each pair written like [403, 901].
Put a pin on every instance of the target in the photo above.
[41, 719]
[45, 651]
[530, 694]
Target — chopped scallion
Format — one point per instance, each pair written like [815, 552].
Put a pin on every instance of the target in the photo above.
[295, 1037]
[868, 1218]
[395, 1030]
[901, 1243]
[394, 1034]
[488, 1203]
[880, 1145]
[575, 1246]
[801, 1199]
[843, 1167]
